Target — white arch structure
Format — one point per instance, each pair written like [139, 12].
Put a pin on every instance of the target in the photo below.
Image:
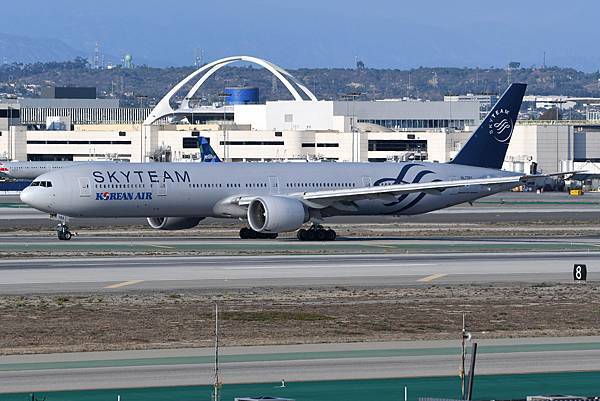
[164, 108]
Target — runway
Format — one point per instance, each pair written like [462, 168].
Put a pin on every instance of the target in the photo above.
[26, 373]
[172, 272]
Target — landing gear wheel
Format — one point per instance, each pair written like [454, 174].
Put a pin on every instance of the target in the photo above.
[63, 233]
[331, 235]
[301, 234]
[321, 235]
[316, 233]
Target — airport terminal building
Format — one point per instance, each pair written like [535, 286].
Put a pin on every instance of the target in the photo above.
[71, 124]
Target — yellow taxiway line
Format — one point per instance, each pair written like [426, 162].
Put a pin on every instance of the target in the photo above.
[431, 278]
[124, 284]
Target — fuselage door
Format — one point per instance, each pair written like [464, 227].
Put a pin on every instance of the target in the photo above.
[162, 189]
[85, 189]
[273, 185]
[366, 181]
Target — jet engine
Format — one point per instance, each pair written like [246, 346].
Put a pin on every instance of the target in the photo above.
[173, 223]
[274, 214]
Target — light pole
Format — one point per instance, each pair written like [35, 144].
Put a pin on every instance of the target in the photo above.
[557, 103]
[142, 133]
[352, 96]
[223, 96]
[9, 114]
[189, 99]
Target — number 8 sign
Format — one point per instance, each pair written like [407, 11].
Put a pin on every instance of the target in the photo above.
[579, 272]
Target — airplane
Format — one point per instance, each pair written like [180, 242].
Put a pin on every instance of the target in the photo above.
[272, 198]
[32, 169]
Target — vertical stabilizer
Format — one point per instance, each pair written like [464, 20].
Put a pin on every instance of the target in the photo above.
[207, 153]
[488, 144]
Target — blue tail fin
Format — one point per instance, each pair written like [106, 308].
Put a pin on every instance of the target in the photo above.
[207, 153]
[488, 144]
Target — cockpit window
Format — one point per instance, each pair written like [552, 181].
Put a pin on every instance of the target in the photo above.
[46, 184]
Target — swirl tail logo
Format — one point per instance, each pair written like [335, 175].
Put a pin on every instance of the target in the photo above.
[502, 126]
[501, 131]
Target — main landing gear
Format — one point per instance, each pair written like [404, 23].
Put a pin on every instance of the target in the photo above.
[248, 233]
[62, 230]
[316, 233]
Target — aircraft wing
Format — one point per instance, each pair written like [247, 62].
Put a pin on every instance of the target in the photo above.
[345, 197]
[561, 174]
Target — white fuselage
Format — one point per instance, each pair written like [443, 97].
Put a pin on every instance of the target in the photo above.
[208, 190]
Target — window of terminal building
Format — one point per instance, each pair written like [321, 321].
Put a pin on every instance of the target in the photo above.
[190, 143]
[320, 145]
[10, 113]
[76, 142]
[397, 145]
[267, 143]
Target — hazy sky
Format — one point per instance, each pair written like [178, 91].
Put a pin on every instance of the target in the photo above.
[322, 33]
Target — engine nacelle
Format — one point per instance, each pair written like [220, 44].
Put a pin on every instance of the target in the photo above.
[275, 214]
[173, 223]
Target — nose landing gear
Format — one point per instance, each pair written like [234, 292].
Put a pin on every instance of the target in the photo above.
[63, 233]
[316, 233]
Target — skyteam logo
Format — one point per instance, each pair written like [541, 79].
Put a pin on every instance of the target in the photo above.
[123, 196]
[500, 125]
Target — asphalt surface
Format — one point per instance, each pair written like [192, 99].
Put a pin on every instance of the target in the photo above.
[124, 369]
[169, 273]
[438, 263]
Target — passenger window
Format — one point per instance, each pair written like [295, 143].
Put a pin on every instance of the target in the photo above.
[49, 184]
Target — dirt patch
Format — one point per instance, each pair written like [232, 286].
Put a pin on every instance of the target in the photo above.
[142, 320]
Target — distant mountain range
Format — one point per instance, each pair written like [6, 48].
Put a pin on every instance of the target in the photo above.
[22, 49]
[327, 83]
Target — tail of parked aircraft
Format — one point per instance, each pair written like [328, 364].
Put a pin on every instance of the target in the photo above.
[488, 144]
[207, 153]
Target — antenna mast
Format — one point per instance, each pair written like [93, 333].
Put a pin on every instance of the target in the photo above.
[217, 383]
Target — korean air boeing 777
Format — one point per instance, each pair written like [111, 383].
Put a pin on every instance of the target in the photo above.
[281, 197]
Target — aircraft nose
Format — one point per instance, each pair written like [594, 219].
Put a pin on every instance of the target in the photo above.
[27, 196]
[35, 199]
